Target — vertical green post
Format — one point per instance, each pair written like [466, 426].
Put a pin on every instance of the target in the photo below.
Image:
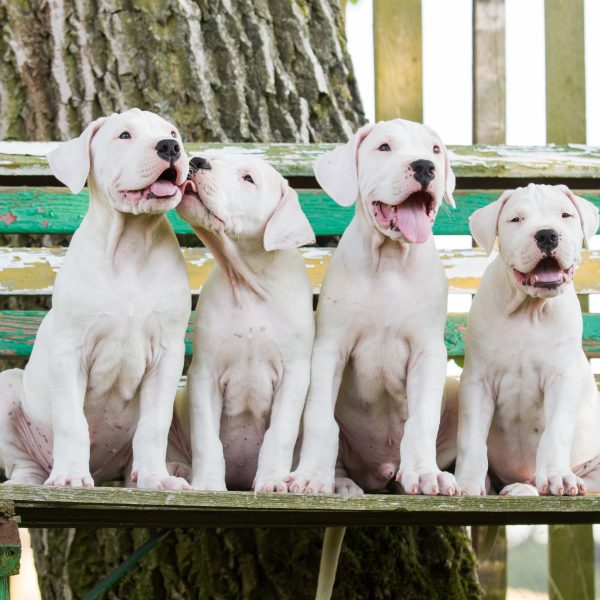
[571, 561]
[489, 544]
[565, 72]
[489, 72]
[10, 548]
[397, 40]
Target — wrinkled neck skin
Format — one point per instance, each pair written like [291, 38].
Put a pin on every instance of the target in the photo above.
[123, 238]
[511, 300]
[379, 252]
[241, 261]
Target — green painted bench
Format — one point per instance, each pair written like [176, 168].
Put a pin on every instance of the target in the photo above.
[30, 203]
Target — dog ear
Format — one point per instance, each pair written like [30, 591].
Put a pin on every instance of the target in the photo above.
[483, 223]
[288, 226]
[337, 171]
[70, 162]
[588, 214]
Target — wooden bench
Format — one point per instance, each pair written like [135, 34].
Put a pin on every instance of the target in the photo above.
[30, 203]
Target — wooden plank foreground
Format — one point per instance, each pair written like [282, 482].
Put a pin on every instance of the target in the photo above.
[39, 506]
[26, 159]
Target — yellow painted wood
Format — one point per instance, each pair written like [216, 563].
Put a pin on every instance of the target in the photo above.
[397, 39]
[565, 71]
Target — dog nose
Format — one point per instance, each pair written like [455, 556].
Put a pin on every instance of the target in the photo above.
[546, 239]
[424, 171]
[168, 150]
[198, 163]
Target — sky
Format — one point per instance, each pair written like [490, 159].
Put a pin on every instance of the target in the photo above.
[447, 60]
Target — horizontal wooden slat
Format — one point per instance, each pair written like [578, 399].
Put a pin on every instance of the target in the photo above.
[31, 271]
[55, 210]
[570, 161]
[18, 329]
[39, 506]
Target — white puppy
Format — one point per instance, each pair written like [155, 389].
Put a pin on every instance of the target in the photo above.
[254, 327]
[98, 390]
[528, 400]
[380, 322]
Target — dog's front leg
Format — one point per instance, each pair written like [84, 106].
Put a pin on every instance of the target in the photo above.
[276, 453]
[554, 474]
[71, 437]
[418, 471]
[157, 394]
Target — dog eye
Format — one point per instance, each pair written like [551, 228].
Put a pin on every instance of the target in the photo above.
[384, 148]
[248, 178]
[515, 220]
[436, 149]
[566, 215]
[125, 135]
[173, 134]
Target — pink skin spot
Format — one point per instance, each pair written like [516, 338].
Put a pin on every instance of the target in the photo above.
[8, 218]
[45, 223]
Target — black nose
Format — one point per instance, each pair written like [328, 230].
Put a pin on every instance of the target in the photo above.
[198, 163]
[546, 239]
[168, 150]
[424, 171]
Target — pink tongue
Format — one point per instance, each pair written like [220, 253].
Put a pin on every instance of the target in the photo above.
[412, 220]
[547, 272]
[163, 188]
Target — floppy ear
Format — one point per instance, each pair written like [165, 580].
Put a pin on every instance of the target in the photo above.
[70, 162]
[484, 222]
[288, 226]
[337, 172]
[588, 214]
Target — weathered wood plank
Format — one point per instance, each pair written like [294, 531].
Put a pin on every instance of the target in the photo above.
[18, 329]
[489, 72]
[40, 506]
[565, 71]
[56, 211]
[294, 160]
[31, 271]
[571, 562]
[397, 44]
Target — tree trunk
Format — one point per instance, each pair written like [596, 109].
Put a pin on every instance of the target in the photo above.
[262, 564]
[249, 70]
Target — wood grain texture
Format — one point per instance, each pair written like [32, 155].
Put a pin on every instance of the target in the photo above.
[24, 159]
[565, 71]
[398, 55]
[489, 72]
[40, 506]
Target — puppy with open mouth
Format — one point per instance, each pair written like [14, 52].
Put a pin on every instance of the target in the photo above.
[372, 417]
[529, 407]
[237, 422]
[95, 400]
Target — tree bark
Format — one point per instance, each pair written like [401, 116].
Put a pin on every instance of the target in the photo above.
[262, 564]
[249, 70]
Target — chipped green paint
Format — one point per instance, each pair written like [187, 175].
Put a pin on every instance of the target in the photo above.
[55, 210]
[568, 161]
[18, 329]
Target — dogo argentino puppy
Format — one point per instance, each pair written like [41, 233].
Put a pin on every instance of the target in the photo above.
[380, 322]
[98, 390]
[254, 331]
[528, 401]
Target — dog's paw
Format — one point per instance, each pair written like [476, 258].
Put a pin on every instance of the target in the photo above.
[559, 484]
[429, 483]
[206, 484]
[301, 482]
[471, 487]
[346, 487]
[270, 482]
[161, 482]
[60, 478]
[519, 489]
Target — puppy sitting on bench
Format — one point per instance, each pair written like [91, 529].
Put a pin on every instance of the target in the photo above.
[254, 328]
[529, 406]
[97, 394]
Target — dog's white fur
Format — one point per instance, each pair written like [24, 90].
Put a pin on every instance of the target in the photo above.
[254, 331]
[528, 400]
[100, 383]
[380, 328]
